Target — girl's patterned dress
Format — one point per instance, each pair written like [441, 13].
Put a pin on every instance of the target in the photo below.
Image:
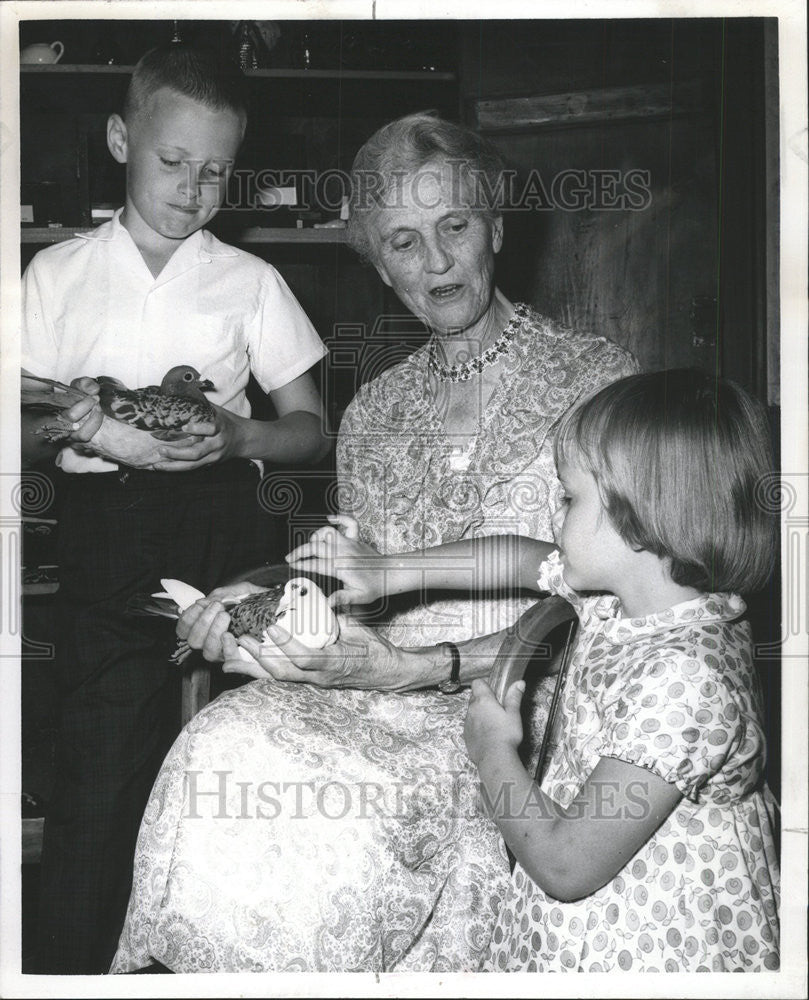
[676, 693]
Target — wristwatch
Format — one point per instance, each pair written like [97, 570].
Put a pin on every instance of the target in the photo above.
[453, 683]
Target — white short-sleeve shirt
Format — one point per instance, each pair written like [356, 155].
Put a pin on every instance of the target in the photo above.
[92, 307]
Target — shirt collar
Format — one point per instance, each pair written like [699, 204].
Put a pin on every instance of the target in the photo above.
[701, 610]
[206, 245]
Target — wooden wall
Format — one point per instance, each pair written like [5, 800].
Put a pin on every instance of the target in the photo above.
[682, 280]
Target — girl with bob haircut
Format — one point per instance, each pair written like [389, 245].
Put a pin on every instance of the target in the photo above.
[655, 441]
[648, 845]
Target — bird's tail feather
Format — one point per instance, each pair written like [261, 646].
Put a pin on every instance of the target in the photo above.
[47, 394]
[151, 607]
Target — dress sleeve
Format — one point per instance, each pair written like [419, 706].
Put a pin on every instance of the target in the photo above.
[603, 363]
[677, 718]
[38, 349]
[281, 341]
[551, 580]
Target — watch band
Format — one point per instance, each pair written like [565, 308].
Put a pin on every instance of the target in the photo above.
[453, 684]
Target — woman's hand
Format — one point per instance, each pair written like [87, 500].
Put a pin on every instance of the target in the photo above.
[337, 551]
[359, 659]
[205, 624]
[489, 725]
[211, 442]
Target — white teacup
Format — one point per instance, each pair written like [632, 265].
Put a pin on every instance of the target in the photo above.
[42, 53]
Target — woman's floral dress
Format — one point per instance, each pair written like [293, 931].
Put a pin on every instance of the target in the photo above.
[675, 693]
[296, 828]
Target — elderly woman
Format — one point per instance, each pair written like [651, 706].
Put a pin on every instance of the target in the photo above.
[324, 817]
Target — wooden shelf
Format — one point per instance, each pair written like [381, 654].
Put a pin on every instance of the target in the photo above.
[282, 74]
[251, 235]
[71, 68]
[255, 234]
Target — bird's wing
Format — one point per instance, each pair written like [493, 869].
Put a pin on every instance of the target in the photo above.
[149, 409]
[183, 594]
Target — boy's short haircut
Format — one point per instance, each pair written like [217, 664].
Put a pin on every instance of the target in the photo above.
[200, 73]
[681, 460]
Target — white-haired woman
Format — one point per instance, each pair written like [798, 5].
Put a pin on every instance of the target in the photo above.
[324, 817]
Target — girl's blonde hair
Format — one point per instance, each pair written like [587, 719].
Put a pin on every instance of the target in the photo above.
[679, 458]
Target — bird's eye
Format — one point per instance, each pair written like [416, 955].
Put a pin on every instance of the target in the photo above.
[303, 591]
[188, 377]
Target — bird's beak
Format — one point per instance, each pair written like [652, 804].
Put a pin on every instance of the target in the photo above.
[206, 385]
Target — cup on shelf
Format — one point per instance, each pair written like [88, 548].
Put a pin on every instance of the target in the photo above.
[42, 54]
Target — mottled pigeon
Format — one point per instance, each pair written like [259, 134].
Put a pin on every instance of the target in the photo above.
[161, 410]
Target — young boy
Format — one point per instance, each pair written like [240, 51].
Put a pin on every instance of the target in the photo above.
[143, 293]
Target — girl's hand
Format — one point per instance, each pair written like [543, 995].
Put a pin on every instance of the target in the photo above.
[234, 592]
[489, 724]
[338, 552]
[359, 659]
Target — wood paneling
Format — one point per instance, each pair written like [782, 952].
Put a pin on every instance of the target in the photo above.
[689, 277]
[643, 276]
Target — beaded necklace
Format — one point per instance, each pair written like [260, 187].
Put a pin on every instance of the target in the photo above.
[474, 366]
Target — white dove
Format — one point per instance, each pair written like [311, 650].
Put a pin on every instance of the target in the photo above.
[302, 610]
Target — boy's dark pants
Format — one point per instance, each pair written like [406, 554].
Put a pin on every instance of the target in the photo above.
[120, 709]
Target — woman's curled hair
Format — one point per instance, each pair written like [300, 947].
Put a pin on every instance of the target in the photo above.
[402, 148]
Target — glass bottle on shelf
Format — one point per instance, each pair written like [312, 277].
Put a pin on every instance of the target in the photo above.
[247, 50]
[306, 51]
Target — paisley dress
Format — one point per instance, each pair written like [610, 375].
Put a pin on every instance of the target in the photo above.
[296, 828]
[675, 693]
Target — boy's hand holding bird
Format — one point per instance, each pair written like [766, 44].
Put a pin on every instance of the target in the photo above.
[102, 417]
[209, 441]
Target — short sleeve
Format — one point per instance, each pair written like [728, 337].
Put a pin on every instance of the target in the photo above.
[676, 718]
[605, 363]
[38, 348]
[551, 580]
[281, 341]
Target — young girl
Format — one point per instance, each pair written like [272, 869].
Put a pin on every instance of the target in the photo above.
[649, 845]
